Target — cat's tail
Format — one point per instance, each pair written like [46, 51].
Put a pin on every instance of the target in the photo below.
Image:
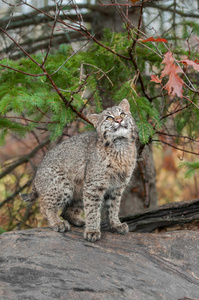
[29, 197]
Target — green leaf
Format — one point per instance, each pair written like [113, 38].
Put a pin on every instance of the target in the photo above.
[3, 133]
[145, 132]
[193, 167]
[5, 104]
[56, 130]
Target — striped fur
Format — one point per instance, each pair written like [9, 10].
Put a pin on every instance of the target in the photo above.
[89, 170]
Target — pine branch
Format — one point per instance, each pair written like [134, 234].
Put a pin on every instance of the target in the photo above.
[25, 73]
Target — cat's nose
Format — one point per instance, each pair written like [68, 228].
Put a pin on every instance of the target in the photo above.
[118, 120]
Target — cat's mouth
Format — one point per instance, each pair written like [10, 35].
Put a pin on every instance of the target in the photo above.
[120, 126]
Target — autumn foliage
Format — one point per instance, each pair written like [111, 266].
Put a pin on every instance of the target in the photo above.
[174, 85]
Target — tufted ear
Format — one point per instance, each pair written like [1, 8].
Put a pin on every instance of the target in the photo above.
[93, 118]
[125, 105]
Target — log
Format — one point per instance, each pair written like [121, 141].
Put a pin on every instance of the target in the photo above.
[43, 264]
[182, 214]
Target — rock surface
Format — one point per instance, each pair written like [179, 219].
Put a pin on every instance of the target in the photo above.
[40, 264]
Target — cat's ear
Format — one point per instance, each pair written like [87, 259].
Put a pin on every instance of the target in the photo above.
[125, 106]
[93, 118]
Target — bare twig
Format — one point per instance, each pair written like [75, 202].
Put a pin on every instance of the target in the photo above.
[175, 112]
[191, 102]
[25, 73]
[21, 48]
[16, 193]
[104, 73]
[119, 4]
[52, 33]
[13, 5]
[175, 147]
[139, 26]
[29, 120]
[74, 53]
[25, 158]
[177, 136]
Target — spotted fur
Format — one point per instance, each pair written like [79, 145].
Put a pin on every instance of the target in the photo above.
[88, 170]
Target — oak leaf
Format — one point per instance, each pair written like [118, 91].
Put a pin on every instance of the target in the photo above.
[134, 1]
[151, 39]
[155, 79]
[175, 83]
[192, 63]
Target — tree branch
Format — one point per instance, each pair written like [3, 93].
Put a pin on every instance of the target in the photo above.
[175, 147]
[52, 32]
[16, 193]
[165, 8]
[21, 48]
[19, 71]
[177, 136]
[25, 158]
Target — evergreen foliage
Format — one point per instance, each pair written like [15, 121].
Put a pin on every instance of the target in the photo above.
[192, 168]
[34, 100]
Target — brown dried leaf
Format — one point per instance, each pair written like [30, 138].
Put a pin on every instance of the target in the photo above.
[192, 63]
[175, 83]
[155, 79]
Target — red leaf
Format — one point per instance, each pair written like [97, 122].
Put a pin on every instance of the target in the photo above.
[192, 63]
[134, 1]
[151, 39]
[155, 79]
[175, 83]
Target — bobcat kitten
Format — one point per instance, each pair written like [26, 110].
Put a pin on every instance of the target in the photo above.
[88, 170]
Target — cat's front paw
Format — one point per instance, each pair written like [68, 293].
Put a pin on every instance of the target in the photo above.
[121, 228]
[92, 236]
[61, 226]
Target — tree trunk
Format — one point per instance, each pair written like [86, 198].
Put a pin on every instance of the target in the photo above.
[135, 195]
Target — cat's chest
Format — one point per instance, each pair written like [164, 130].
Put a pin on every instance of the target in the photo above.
[120, 166]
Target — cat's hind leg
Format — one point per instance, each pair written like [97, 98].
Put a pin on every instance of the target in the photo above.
[49, 209]
[74, 213]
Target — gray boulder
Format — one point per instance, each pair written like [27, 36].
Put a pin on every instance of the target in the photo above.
[40, 264]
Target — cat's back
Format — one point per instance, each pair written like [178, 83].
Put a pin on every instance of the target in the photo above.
[66, 162]
[72, 148]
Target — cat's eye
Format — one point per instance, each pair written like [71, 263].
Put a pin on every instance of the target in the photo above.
[122, 115]
[109, 118]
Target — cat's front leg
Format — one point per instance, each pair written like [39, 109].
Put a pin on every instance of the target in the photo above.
[112, 203]
[92, 208]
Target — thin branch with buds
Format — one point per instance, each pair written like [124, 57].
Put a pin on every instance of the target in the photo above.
[175, 147]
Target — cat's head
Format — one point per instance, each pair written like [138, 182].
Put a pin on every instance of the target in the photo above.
[115, 122]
